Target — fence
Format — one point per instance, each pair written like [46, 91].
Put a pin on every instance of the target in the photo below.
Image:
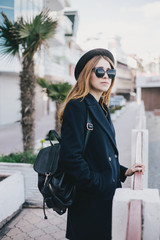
[136, 211]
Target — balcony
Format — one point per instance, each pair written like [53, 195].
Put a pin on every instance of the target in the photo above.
[10, 66]
[55, 71]
[55, 5]
[64, 26]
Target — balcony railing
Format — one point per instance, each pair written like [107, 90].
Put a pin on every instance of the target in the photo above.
[55, 5]
[55, 70]
[10, 65]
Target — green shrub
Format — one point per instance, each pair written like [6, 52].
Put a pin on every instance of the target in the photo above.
[52, 137]
[19, 157]
[113, 109]
[118, 107]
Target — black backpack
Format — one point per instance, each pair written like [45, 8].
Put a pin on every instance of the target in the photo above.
[58, 193]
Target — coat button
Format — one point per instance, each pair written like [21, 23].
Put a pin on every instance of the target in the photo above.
[113, 180]
[116, 156]
[110, 158]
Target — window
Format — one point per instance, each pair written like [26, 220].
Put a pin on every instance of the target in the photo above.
[7, 3]
[7, 6]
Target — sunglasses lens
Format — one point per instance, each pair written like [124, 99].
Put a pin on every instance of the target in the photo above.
[111, 73]
[99, 72]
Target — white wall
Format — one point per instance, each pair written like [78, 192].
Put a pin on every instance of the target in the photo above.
[11, 65]
[9, 98]
[12, 196]
[150, 212]
[10, 105]
[31, 192]
[150, 81]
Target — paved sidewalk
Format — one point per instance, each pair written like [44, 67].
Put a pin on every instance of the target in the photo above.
[153, 125]
[30, 224]
[123, 127]
[11, 135]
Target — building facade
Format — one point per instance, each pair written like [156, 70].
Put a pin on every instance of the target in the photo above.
[148, 90]
[126, 70]
[55, 63]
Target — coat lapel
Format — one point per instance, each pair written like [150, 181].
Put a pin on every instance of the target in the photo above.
[100, 117]
[110, 121]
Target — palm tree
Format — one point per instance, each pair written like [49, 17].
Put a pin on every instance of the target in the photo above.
[24, 39]
[57, 92]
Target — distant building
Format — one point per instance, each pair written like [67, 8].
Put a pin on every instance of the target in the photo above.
[123, 83]
[148, 90]
[55, 63]
[148, 81]
[126, 70]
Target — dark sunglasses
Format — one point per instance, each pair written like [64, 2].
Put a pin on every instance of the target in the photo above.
[100, 72]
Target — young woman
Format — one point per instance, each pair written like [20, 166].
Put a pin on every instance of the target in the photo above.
[96, 172]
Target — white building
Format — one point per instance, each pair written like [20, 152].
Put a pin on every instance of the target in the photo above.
[55, 63]
[126, 69]
[148, 90]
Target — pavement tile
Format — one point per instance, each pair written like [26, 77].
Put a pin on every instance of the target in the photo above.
[6, 238]
[32, 219]
[58, 235]
[28, 227]
[39, 213]
[56, 220]
[51, 229]
[21, 223]
[36, 233]
[62, 226]
[44, 224]
[47, 237]
[14, 232]
[21, 236]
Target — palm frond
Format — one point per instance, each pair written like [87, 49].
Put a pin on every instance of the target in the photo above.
[55, 91]
[10, 38]
[37, 32]
[25, 37]
[59, 91]
[43, 83]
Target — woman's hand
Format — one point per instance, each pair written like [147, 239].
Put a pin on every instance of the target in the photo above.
[137, 167]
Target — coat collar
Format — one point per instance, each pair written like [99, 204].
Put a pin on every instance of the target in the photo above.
[100, 117]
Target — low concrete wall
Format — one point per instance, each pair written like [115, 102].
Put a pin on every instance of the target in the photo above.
[32, 194]
[11, 196]
[144, 155]
[151, 212]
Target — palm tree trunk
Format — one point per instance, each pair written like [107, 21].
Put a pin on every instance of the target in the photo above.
[27, 88]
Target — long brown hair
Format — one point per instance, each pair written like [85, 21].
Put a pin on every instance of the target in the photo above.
[82, 88]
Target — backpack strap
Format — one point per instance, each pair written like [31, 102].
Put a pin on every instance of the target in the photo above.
[56, 136]
[89, 127]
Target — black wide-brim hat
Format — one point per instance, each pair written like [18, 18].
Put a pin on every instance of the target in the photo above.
[88, 56]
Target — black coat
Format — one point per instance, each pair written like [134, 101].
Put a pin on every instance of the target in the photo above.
[96, 174]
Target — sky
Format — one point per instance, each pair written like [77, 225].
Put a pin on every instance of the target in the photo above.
[136, 22]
